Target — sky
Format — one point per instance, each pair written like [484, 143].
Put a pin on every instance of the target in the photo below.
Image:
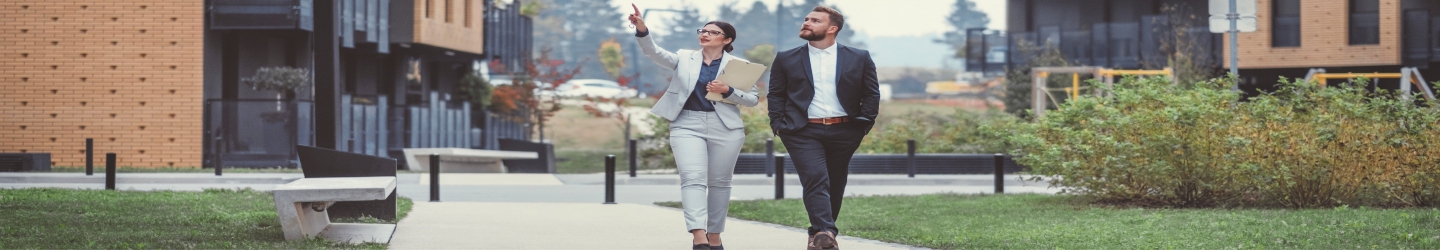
[898, 33]
[872, 18]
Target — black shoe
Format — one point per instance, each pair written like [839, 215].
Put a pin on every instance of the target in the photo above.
[717, 247]
[701, 247]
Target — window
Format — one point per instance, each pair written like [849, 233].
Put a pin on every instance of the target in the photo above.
[427, 8]
[467, 12]
[448, 3]
[1364, 22]
[1285, 31]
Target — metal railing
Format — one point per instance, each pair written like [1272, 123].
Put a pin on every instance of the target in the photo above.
[256, 132]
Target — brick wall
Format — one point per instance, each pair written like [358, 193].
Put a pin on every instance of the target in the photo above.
[452, 33]
[1324, 39]
[126, 73]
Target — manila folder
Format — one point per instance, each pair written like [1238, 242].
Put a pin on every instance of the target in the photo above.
[740, 75]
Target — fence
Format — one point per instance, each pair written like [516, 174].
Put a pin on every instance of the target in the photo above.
[754, 163]
[256, 132]
[438, 125]
[364, 123]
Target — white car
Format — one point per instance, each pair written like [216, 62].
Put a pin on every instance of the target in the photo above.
[594, 88]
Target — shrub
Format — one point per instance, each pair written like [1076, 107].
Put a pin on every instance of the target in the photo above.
[1303, 146]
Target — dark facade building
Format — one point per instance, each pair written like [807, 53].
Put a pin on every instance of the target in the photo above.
[386, 75]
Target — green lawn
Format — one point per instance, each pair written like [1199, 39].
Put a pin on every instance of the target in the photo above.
[585, 162]
[99, 219]
[949, 221]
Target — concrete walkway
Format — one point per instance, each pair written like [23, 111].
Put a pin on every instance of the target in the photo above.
[507, 225]
[532, 211]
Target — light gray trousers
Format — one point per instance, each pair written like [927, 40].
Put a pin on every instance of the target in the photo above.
[705, 153]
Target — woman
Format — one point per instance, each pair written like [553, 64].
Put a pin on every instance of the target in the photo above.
[705, 135]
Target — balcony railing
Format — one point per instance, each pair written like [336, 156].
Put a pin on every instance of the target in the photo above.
[257, 132]
[1127, 45]
[262, 14]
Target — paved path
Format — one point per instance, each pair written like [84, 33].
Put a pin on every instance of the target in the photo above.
[508, 225]
[532, 211]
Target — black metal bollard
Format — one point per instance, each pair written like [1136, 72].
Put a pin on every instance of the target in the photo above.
[89, 156]
[999, 173]
[769, 157]
[779, 177]
[109, 171]
[434, 178]
[633, 159]
[610, 179]
[910, 156]
[219, 158]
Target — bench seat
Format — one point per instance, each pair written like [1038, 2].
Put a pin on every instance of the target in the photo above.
[301, 207]
[464, 160]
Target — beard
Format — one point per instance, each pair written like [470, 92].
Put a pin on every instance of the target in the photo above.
[814, 36]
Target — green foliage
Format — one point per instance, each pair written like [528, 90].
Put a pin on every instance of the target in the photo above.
[532, 8]
[476, 89]
[762, 54]
[278, 79]
[961, 132]
[1302, 146]
[1017, 82]
[611, 57]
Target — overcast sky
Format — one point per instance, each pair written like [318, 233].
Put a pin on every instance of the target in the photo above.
[872, 18]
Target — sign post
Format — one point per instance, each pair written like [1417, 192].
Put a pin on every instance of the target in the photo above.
[1239, 16]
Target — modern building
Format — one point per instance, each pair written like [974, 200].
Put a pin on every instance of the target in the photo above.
[1341, 36]
[160, 82]
[1293, 36]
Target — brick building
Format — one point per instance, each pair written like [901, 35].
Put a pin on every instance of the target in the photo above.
[158, 82]
[126, 73]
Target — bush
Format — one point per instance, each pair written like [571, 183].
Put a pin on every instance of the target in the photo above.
[960, 132]
[1196, 146]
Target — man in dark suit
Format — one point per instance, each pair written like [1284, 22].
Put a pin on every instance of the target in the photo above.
[823, 100]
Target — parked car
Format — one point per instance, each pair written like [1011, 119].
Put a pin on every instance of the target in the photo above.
[594, 88]
[541, 90]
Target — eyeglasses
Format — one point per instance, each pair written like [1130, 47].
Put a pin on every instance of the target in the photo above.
[709, 32]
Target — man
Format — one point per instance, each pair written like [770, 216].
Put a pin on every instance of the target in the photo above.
[823, 100]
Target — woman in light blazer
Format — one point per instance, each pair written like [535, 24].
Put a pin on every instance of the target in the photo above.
[705, 135]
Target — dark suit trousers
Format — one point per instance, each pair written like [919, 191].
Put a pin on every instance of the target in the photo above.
[821, 154]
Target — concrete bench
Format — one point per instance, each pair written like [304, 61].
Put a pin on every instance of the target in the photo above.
[464, 160]
[301, 206]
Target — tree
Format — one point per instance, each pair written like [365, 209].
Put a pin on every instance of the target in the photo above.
[963, 16]
[797, 14]
[476, 89]
[611, 58]
[518, 102]
[586, 23]
[762, 54]
[1186, 55]
[1018, 84]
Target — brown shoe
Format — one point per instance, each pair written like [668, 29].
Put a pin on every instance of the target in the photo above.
[826, 241]
[810, 243]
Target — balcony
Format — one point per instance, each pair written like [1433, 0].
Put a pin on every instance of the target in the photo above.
[261, 14]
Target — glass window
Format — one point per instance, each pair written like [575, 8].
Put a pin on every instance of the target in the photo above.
[1285, 31]
[1364, 22]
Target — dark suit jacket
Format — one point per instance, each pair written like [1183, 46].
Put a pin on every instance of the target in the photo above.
[792, 89]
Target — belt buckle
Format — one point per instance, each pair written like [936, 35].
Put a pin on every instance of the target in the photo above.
[827, 121]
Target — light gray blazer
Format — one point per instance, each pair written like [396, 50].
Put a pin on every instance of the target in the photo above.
[686, 67]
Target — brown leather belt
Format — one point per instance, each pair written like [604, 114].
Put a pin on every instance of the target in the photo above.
[830, 120]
